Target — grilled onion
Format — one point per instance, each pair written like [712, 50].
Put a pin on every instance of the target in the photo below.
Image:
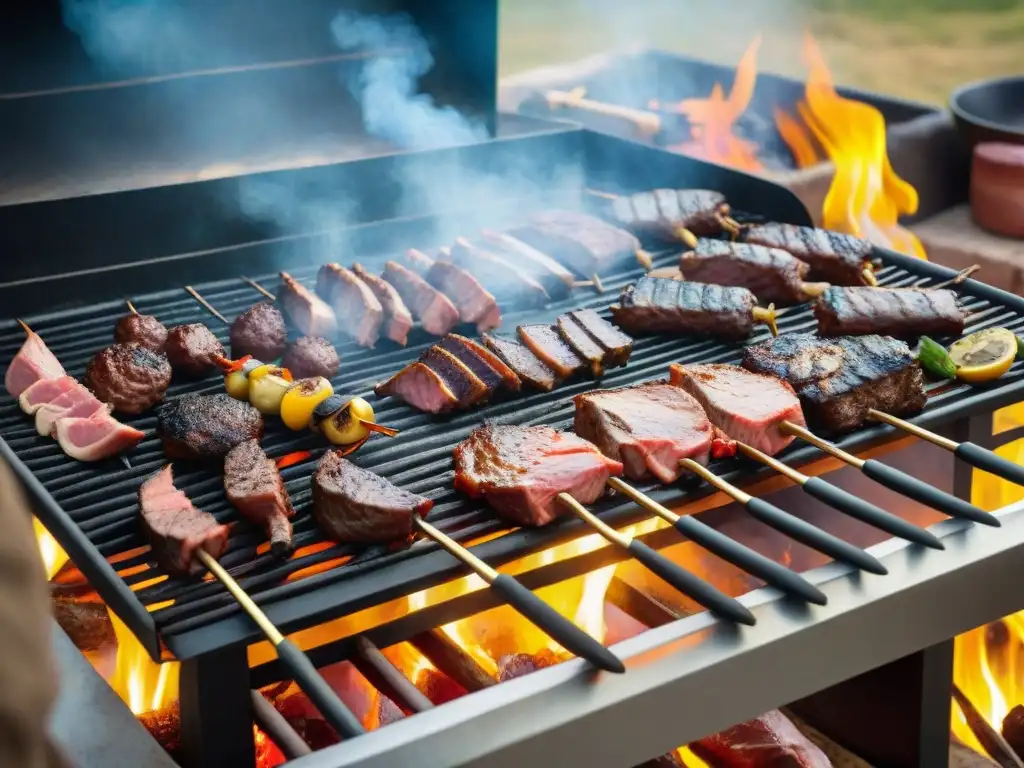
[301, 400]
[268, 390]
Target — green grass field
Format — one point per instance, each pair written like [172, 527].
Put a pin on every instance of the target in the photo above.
[918, 49]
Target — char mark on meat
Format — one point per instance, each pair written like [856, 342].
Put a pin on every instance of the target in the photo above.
[833, 257]
[310, 314]
[501, 276]
[520, 471]
[421, 387]
[254, 487]
[902, 312]
[358, 312]
[352, 504]
[770, 274]
[467, 387]
[527, 366]
[545, 342]
[490, 368]
[617, 345]
[581, 343]
[584, 244]
[397, 318]
[657, 304]
[433, 309]
[663, 213]
[838, 380]
[206, 427]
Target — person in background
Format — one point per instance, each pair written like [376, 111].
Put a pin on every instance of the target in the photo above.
[28, 678]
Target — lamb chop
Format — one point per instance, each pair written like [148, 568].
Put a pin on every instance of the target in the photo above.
[358, 312]
[671, 214]
[549, 347]
[585, 244]
[44, 391]
[838, 380]
[33, 362]
[397, 318]
[95, 437]
[658, 304]
[616, 345]
[421, 387]
[474, 302]
[254, 487]
[770, 273]
[901, 312]
[833, 257]
[520, 471]
[502, 276]
[527, 366]
[746, 406]
[648, 427]
[428, 305]
[202, 427]
[310, 314]
[556, 279]
[354, 504]
[176, 529]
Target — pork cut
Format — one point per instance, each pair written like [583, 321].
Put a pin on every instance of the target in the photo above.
[545, 342]
[527, 366]
[206, 427]
[354, 504]
[44, 391]
[648, 427]
[358, 312]
[96, 437]
[616, 344]
[583, 243]
[500, 275]
[77, 402]
[397, 318]
[770, 274]
[768, 741]
[421, 387]
[254, 487]
[176, 529]
[34, 361]
[307, 311]
[490, 368]
[520, 471]
[432, 308]
[467, 387]
[746, 406]
[556, 279]
[474, 302]
[581, 343]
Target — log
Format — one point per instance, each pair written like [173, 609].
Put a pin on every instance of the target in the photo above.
[387, 678]
[992, 740]
[86, 624]
[452, 660]
[438, 687]
[165, 726]
[516, 665]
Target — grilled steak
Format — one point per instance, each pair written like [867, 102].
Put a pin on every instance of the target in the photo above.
[746, 406]
[144, 330]
[44, 391]
[548, 346]
[556, 279]
[357, 310]
[309, 313]
[95, 437]
[617, 345]
[768, 740]
[581, 343]
[310, 356]
[839, 379]
[421, 387]
[128, 377]
[648, 427]
[428, 305]
[464, 384]
[176, 529]
[583, 243]
[254, 487]
[501, 276]
[206, 426]
[474, 302]
[485, 364]
[397, 318]
[193, 349]
[33, 362]
[354, 504]
[663, 213]
[769, 273]
[832, 257]
[902, 312]
[77, 402]
[527, 366]
[520, 471]
[260, 332]
[658, 304]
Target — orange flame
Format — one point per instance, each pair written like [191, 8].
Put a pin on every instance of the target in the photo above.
[52, 553]
[797, 138]
[289, 459]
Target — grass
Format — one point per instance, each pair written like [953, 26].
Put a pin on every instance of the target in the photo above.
[917, 49]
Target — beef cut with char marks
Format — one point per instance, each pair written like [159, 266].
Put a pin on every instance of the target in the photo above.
[545, 342]
[420, 386]
[768, 741]
[259, 332]
[44, 391]
[833, 257]
[746, 406]
[616, 345]
[648, 427]
[501, 276]
[176, 529]
[490, 368]
[520, 471]
[433, 309]
[206, 427]
[254, 487]
[397, 318]
[193, 350]
[311, 356]
[474, 302]
[663, 213]
[354, 504]
[902, 312]
[130, 378]
[467, 387]
[583, 243]
[34, 361]
[527, 366]
[355, 306]
[556, 279]
[144, 330]
[310, 314]
[581, 343]
[838, 380]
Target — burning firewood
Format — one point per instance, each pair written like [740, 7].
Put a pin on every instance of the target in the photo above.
[87, 624]
[1013, 729]
[518, 664]
[165, 726]
[438, 687]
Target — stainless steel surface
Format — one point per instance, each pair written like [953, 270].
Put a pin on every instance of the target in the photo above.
[696, 676]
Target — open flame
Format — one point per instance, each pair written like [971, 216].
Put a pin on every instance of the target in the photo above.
[52, 553]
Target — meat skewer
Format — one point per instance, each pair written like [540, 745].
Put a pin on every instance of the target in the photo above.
[144, 330]
[901, 312]
[678, 215]
[834, 257]
[33, 362]
[308, 312]
[259, 288]
[475, 303]
[254, 487]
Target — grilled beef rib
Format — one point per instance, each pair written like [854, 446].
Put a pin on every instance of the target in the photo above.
[254, 487]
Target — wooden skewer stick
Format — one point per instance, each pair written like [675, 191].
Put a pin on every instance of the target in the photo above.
[896, 480]
[991, 739]
[131, 307]
[645, 259]
[958, 278]
[687, 237]
[452, 660]
[684, 581]
[259, 288]
[647, 122]
[298, 664]
[595, 280]
[767, 315]
[972, 453]
[542, 615]
[814, 290]
[206, 305]
[869, 275]
[25, 327]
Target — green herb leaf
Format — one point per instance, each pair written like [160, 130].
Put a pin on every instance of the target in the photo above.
[1020, 348]
[935, 360]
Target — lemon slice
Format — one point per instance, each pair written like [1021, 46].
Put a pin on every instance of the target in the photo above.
[985, 355]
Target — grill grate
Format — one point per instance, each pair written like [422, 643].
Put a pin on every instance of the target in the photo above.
[100, 500]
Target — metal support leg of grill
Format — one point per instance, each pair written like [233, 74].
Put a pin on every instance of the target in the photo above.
[216, 711]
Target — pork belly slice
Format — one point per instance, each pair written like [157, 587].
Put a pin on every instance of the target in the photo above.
[432, 308]
[519, 471]
[838, 380]
[355, 306]
[746, 406]
[616, 344]
[421, 387]
[505, 280]
[474, 302]
[556, 279]
[96, 437]
[551, 349]
[354, 504]
[397, 318]
[77, 402]
[44, 391]
[527, 366]
[485, 364]
[467, 387]
[649, 427]
[583, 243]
[307, 311]
[33, 362]
[176, 529]
[254, 487]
